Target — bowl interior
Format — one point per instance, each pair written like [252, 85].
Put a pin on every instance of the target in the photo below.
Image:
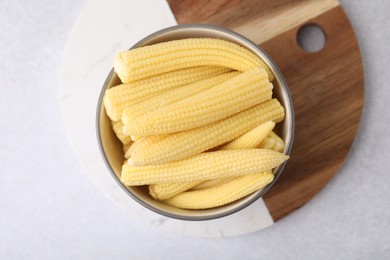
[111, 147]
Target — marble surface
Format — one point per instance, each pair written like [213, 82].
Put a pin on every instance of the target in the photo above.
[49, 209]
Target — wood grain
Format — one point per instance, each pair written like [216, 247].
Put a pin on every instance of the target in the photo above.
[327, 86]
[258, 20]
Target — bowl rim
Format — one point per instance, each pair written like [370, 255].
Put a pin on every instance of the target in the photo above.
[288, 147]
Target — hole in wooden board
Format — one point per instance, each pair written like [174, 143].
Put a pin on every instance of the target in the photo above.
[311, 38]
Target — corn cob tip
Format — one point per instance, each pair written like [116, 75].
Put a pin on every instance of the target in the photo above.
[130, 162]
[152, 192]
[283, 158]
[128, 153]
[119, 66]
[252, 138]
[110, 107]
[221, 194]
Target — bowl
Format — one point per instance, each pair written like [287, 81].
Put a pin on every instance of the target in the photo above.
[111, 148]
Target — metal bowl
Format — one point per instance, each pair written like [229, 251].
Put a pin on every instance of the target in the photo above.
[111, 148]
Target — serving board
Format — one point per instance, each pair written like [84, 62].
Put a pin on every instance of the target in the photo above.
[327, 86]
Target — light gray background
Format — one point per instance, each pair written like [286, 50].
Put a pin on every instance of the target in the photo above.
[50, 210]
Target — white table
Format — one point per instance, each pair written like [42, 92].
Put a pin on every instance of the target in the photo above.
[50, 209]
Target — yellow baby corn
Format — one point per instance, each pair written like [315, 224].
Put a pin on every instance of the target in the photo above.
[163, 57]
[184, 144]
[126, 148]
[273, 142]
[190, 44]
[117, 98]
[251, 139]
[118, 129]
[205, 166]
[168, 190]
[212, 183]
[221, 194]
[174, 95]
[134, 137]
[143, 144]
[213, 104]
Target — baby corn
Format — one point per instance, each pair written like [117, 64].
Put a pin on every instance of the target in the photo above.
[118, 129]
[251, 139]
[212, 183]
[232, 96]
[171, 96]
[205, 166]
[168, 190]
[126, 148]
[273, 142]
[221, 194]
[117, 98]
[195, 118]
[184, 144]
[163, 57]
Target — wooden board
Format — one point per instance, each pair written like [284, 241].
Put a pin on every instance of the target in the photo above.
[327, 86]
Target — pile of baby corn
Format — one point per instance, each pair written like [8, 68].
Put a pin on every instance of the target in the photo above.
[196, 119]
